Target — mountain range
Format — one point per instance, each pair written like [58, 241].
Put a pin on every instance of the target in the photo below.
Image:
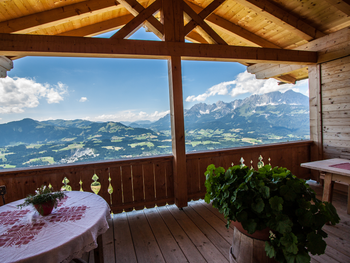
[275, 112]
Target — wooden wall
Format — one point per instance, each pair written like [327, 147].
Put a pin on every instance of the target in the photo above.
[335, 87]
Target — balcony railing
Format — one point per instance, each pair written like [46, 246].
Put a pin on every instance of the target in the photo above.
[146, 182]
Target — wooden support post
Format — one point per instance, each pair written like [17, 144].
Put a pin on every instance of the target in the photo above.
[315, 104]
[327, 188]
[172, 17]
[177, 131]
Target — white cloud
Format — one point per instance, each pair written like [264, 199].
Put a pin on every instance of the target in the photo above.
[219, 89]
[16, 94]
[247, 83]
[129, 115]
[83, 99]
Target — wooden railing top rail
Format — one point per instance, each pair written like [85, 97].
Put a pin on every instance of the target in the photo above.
[257, 148]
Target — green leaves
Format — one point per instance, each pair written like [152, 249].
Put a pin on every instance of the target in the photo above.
[275, 198]
[315, 244]
[276, 203]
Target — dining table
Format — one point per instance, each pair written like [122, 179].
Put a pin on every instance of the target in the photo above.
[69, 231]
[332, 170]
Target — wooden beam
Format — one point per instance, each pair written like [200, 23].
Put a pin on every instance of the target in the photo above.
[283, 18]
[233, 29]
[99, 28]
[172, 18]
[56, 16]
[286, 79]
[213, 36]
[204, 13]
[342, 5]
[177, 131]
[6, 64]
[330, 47]
[135, 8]
[265, 71]
[131, 27]
[38, 45]
[196, 38]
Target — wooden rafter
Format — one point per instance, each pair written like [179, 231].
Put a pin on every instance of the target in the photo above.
[38, 45]
[342, 5]
[56, 16]
[99, 28]
[265, 71]
[213, 37]
[233, 29]
[135, 8]
[131, 27]
[204, 13]
[283, 18]
[196, 38]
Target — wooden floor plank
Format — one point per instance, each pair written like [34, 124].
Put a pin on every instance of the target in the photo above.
[215, 238]
[166, 231]
[213, 220]
[166, 242]
[123, 246]
[108, 243]
[203, 244]
[188, 248]
[146, 247]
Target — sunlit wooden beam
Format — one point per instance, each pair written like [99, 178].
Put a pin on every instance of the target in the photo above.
[283, 18]
[135, 8]
[234, 30]
[63, 46]
[56, 16]
[6, 64]
[213, 36]
[131, 27]
[204, 13]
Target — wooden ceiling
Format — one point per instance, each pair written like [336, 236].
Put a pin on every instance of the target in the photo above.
[278, 24]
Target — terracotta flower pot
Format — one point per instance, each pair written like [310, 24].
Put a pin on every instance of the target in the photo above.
[45, 208]
[258, 234]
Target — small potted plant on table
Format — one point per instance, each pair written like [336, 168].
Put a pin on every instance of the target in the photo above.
[44, 200]
[272, 199]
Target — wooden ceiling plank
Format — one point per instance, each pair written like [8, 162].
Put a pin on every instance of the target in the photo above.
[204, 13]
[283, 18]
[55, 16]
[329, 47]
[213, 36]
[40, 45]
[342, 5]
[99, 28]
[231, 28]
[135, 8]
[131, 27]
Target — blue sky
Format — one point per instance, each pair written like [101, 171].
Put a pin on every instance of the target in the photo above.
[119, 89]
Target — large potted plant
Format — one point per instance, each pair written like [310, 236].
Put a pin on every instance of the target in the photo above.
[44, 200]
[275, 199]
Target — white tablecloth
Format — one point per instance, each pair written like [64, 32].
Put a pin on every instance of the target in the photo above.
[70, 230]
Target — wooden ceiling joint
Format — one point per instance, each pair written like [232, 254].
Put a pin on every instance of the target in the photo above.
[207, 32]
[152, 24]
[56, 16]
[283, 18]
[342, 5]
[132, 26]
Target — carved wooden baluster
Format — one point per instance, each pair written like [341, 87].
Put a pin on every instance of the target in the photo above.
[81, 186]
[95, 186]
[242, 162]
[269, 161]
[66, 187]
[110, 188]
[251, 165]
[260, 163]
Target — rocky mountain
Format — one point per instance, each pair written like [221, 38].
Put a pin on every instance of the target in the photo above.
[285, 112]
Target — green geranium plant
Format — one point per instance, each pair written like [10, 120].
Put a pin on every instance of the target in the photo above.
[43, 195]
[272, 198]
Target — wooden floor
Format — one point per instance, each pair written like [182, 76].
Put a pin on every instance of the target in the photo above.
[196, 234]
